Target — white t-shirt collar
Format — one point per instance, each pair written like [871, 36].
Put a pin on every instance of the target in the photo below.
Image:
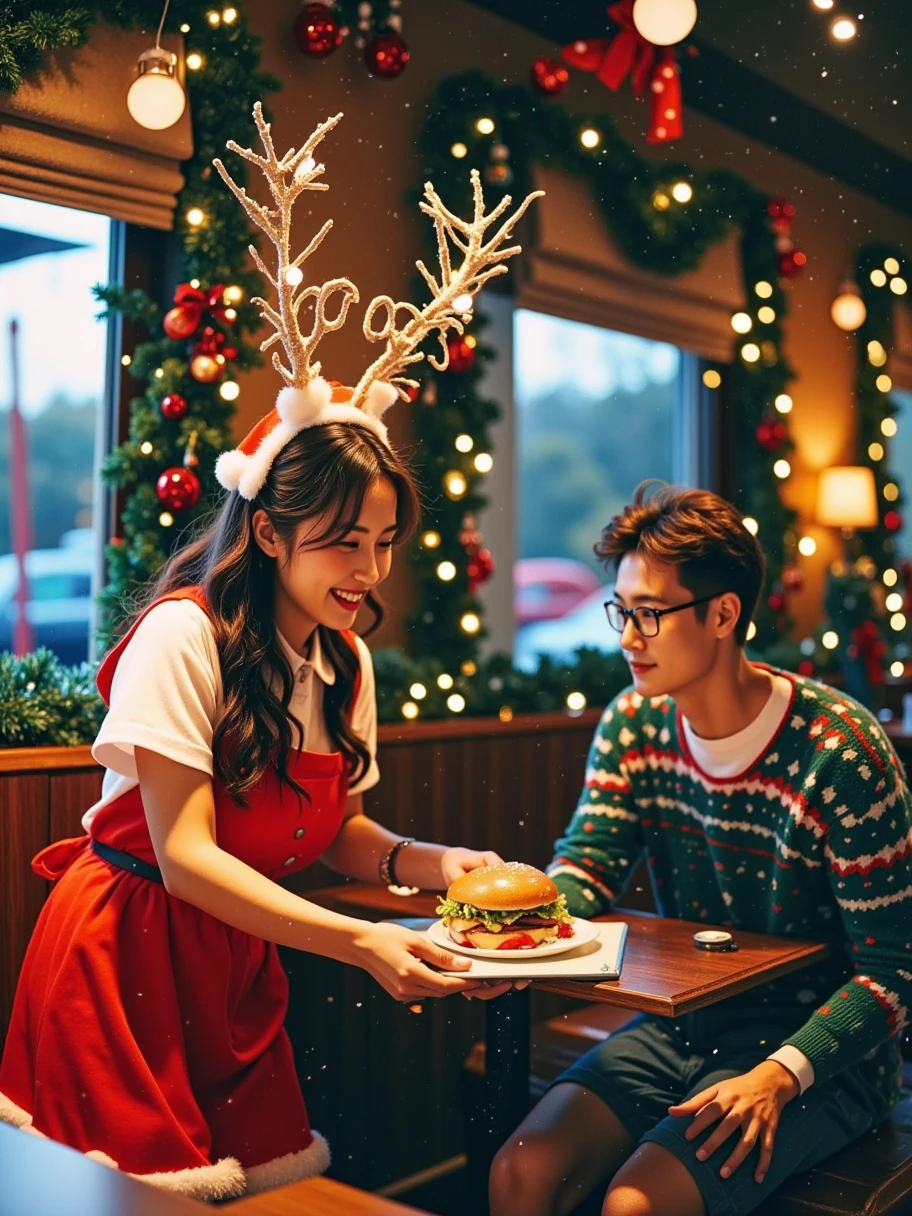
[315, 658]
[735, 754]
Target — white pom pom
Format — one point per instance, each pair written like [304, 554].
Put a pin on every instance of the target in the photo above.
[230, 468]
[380, 396]
[299, 407]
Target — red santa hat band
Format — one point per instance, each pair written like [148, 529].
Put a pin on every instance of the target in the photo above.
[246, 468]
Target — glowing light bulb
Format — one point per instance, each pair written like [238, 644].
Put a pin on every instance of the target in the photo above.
[576, 701]
[891, 266]
[750, 352]
[751, 524]
[897, 669]
[146, 448]
[763, 289]
[807, 546]
[430, 540]
[464, 443]
[166, 519]
[783, 403]
[894, 602]
[484, 462]
[830, 640]
[469, 622]
[888, 427]
[766, 315]
[485, 126]
[194, 61]
[155, 99]
[843, 29]
[711, 378]
[751, 631]
[782, 468]
[455, 484]
[890, 578]
[230, 390]
[898, 286]
[445, 681]
[418, 691]
[741, 323]
[898, 622]
[878, 278]
[126, 360]
[455, 703]
[409, 710]
[195, 217]
[883, 383]
[446, 572]
[294, 275]
[876, 451]
[459, 151]
[682, 192]
[590, 138]
[463, 303]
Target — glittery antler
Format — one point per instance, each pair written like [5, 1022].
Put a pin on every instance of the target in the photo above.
[481, 261]
[275, 222]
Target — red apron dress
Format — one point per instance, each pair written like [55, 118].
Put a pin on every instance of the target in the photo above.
[149, 1030]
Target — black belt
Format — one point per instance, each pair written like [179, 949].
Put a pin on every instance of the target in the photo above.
[126, 861]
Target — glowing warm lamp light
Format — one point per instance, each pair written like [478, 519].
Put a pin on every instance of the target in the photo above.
[847, 497]
[807, 546]
[664, 22]
[848, 309]
[843, 29]
[155, 99]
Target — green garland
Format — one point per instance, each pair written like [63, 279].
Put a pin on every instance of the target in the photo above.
[869, 598]
[655, 232]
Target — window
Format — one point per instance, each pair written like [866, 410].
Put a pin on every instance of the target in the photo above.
[900, 457]
[50, 258]
[597, 412]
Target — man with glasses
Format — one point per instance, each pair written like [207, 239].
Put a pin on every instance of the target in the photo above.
[763, 801]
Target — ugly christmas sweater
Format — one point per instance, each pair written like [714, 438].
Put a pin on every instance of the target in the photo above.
[814, 840]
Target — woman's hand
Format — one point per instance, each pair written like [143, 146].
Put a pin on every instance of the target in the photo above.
[751, 1104]
[400, 960]
[456, 862]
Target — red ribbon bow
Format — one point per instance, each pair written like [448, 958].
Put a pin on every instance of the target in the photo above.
[197, 302]
[871, 650]
[628, 52]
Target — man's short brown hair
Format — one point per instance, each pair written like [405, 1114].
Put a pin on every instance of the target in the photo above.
[698, 533]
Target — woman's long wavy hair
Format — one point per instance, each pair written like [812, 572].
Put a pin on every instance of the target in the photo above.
[324, 472]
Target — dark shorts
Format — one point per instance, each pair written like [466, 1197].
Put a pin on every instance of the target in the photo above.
[656, 1062]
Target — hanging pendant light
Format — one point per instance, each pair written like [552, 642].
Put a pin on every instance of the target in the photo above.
[155, 99]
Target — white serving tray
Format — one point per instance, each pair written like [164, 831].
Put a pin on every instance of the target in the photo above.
[600, 959]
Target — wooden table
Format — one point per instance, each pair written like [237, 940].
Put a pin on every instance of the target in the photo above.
[662, 973]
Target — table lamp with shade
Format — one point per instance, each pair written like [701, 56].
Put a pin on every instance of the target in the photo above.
[847, 499]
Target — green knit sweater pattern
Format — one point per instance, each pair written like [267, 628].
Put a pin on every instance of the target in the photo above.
[813, 841]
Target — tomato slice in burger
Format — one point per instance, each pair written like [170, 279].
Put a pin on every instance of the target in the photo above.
[565, 930]
[518, 941]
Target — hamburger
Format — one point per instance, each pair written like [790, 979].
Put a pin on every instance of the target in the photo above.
[505, 907]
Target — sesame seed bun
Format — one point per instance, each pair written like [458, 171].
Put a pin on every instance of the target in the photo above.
[512, 887]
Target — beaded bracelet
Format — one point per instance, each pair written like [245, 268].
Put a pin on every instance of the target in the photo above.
[388, 862]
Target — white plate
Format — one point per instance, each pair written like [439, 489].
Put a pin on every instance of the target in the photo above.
[583, 931]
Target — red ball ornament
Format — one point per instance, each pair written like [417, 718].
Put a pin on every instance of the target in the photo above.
[805, 668]
[792, 578]
[317, 31]
[480, 567]
[780, 208]
[462, 355]
[386, 55]
[777, 602]
[173, 406]
[792, 263]
[205, 368]
[178, 489]
[893, 521]
[771, 435]
[549, 77]
[181, 322]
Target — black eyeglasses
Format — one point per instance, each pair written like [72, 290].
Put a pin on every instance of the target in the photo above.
[646, 620]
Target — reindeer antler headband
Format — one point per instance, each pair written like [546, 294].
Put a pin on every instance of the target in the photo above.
[307, 399]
